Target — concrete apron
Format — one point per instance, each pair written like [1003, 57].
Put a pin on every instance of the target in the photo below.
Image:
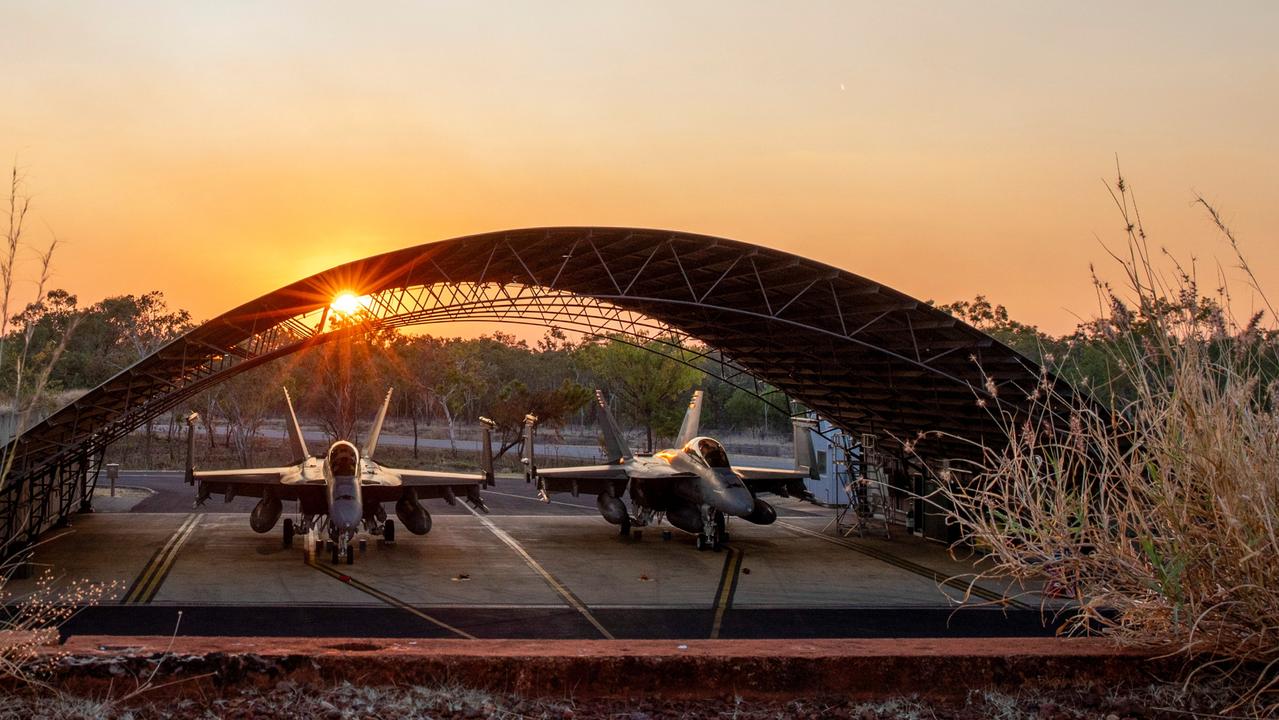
[200, 667]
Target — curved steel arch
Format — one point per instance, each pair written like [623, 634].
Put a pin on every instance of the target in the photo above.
[866, 357]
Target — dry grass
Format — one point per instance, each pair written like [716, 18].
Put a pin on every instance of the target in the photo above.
[1158, 513]
[30, 621]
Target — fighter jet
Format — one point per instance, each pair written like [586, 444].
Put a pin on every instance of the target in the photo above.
[343, 490]
[693, 484]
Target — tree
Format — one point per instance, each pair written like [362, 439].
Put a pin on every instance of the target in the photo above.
[649, 387]
[552, 406]
[333, 390]
[245, 401]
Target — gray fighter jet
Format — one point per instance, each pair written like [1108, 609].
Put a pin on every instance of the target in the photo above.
[693, 485]
[343, 490]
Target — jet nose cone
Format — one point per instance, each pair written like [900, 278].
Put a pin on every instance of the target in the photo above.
[726, 493]
[345, 514]
[738, 501]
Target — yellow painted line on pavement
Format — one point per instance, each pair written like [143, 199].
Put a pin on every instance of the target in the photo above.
[550, 579]
[935, 576]
[727, 586]
[388, 599]
[148, 582]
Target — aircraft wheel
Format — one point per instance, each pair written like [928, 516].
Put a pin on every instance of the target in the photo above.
[334, 548]
[626, 526]
[388, 531]
[350, 555]
[701, 542]
[288, 532]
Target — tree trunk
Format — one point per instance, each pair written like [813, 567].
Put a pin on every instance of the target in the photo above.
[169, 441]
[413, 415]
[208, 423]
[448, 417]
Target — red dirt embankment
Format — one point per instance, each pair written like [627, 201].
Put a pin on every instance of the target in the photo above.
[761, 669]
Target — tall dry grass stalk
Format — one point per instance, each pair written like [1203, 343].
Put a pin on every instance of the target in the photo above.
[1157, 510]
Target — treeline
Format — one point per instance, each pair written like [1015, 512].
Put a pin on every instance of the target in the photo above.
[1098, 355]
[451, 382]
[446, 382]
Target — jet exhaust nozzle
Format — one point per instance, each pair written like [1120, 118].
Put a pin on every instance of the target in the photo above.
[266, 513]
[412, 515]
[685, 517]
[761, 514]
[612, 508]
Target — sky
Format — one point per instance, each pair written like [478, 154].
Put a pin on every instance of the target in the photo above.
[218, 151]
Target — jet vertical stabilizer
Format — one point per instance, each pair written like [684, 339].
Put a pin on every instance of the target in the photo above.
[295, 430]
[692, 418]
[371, 444]
[805, 457]
[614, 443]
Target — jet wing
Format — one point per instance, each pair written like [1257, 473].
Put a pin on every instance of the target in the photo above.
[284, 482]
[786, 482]
[589, 479]
[425, 484]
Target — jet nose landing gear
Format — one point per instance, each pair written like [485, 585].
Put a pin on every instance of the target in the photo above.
[713, 535]
[342, 547]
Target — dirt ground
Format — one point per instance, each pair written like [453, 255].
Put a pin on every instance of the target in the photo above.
[289, 700]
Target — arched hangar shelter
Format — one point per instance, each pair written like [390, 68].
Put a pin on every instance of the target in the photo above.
[864, 356]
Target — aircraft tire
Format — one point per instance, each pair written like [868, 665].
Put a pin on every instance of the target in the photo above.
[288, 533]
[625, 528]
[701, 542]
[350, 555]
[388, 531]
[335, 553]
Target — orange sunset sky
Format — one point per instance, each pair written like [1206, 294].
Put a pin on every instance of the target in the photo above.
[216, 151]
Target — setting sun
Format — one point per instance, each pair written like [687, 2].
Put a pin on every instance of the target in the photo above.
[348, 303]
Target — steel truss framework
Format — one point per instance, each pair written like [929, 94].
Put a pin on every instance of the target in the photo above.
[864, 356]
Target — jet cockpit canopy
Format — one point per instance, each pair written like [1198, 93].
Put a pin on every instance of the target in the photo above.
[343, 459]
[708, 451]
